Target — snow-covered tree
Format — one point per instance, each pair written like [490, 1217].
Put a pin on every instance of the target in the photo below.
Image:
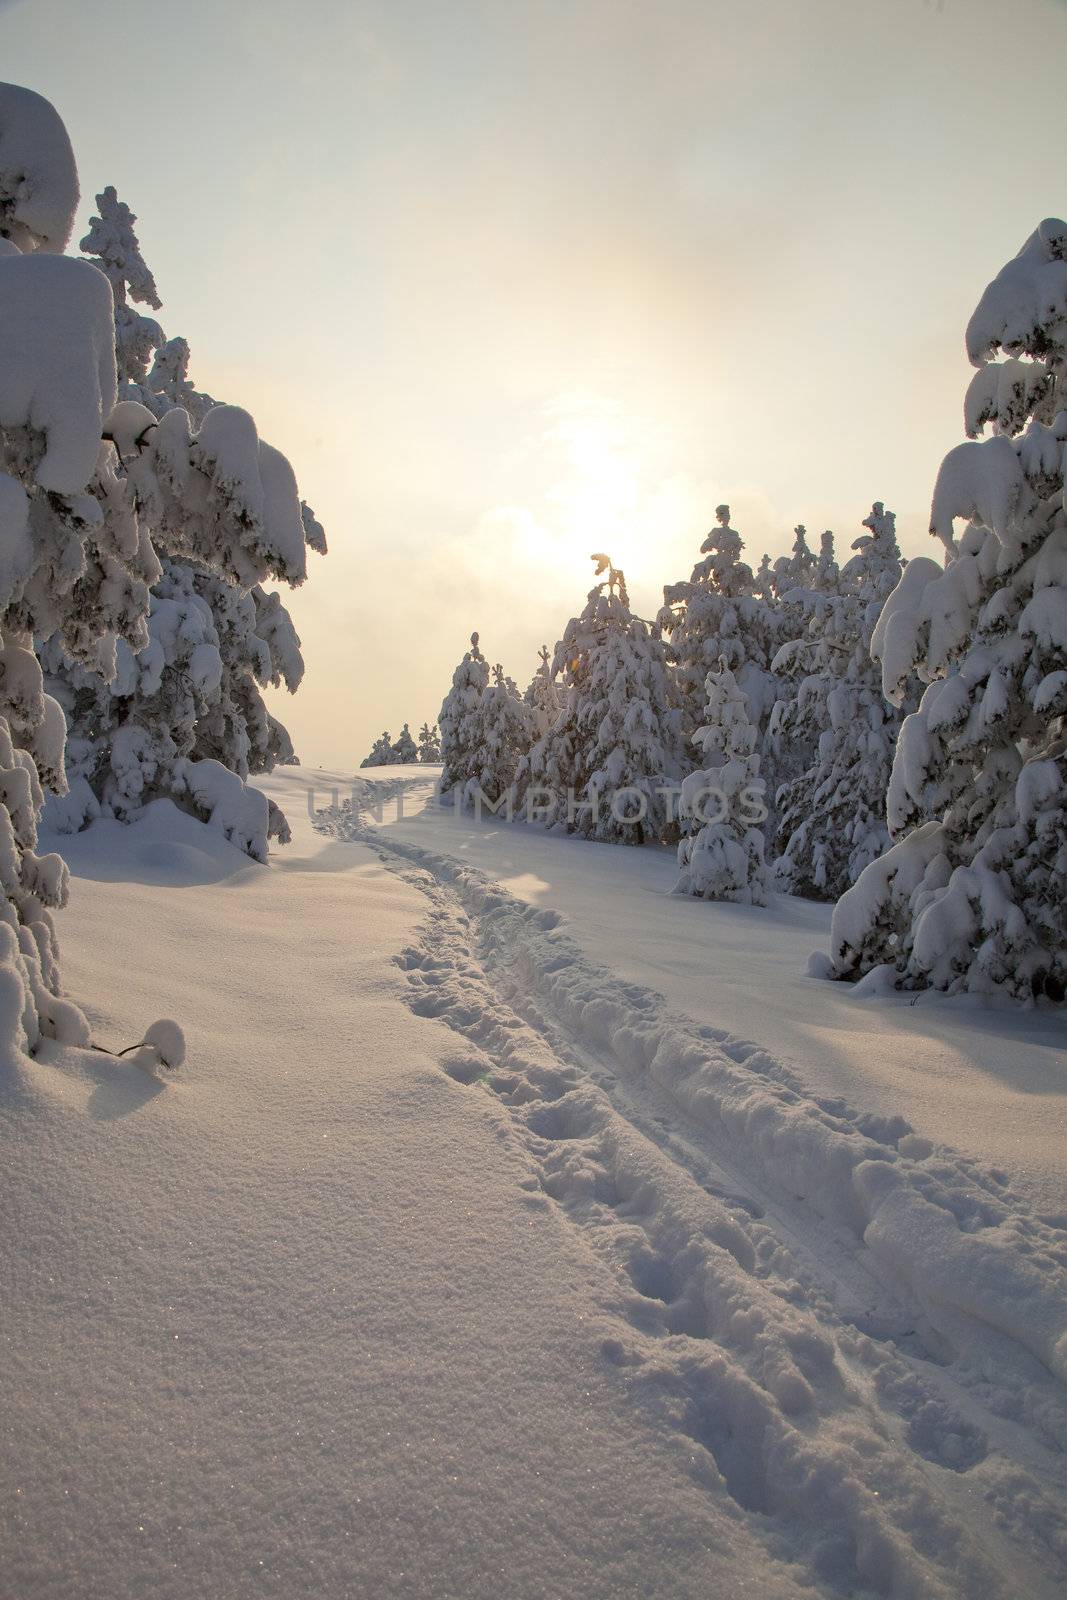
[720, 856]
[224, 515]
[797, 570]
[832, 816]
[505, 739]
[543, 696]
[381, 753]
[405, 751]
[717, 615]
[462, 726]
[804, 609]
[606, 766]
[826, 570]
[114, 246]
[973, 895]
[74, 562]
[763, 585]
[429, 745]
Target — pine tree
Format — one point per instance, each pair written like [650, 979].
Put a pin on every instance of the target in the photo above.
[606, 766]
[973, 893]
[833, 815]
[429, 745]
[720, 856]
[381, 753]
[461, 725]
[405, 751]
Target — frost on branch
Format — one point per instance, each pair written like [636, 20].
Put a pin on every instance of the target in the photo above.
[973, 893]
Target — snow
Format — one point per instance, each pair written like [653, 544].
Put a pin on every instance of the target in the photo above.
[290, 1323]
[1029, 291]
[260, 485]
[970, 1072]
[224, 801]
[980, 480]
[38, 177]
[57, 361]
[456, 1261]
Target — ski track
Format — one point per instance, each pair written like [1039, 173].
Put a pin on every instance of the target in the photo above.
[855, 1335]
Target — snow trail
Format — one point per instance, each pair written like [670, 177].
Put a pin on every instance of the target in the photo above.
[808, 1294]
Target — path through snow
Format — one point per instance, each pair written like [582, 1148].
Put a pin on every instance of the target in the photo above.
[795, 1276]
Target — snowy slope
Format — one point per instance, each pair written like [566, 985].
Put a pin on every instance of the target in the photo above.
[424, 1279]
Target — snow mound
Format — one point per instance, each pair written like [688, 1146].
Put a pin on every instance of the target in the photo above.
[168, 1041]
[162, 845]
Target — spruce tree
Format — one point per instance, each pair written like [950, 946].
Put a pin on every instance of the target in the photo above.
[75, 562]
[721, 854]
[795, 571]
[224, 515]
[827, 574]
[973, 894]
[461, 725]
[715, 616]
[429, 745]
[381, 753]
[543, 696]
[405, 751]
[606, 766]
[833, 815]
[505, 738]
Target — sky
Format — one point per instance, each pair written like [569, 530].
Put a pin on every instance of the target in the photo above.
[513, 281]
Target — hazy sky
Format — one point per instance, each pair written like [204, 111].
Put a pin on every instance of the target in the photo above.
[511, 281]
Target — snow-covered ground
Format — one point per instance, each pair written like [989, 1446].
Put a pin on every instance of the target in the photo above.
[986, 1078]
[516, 1230]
